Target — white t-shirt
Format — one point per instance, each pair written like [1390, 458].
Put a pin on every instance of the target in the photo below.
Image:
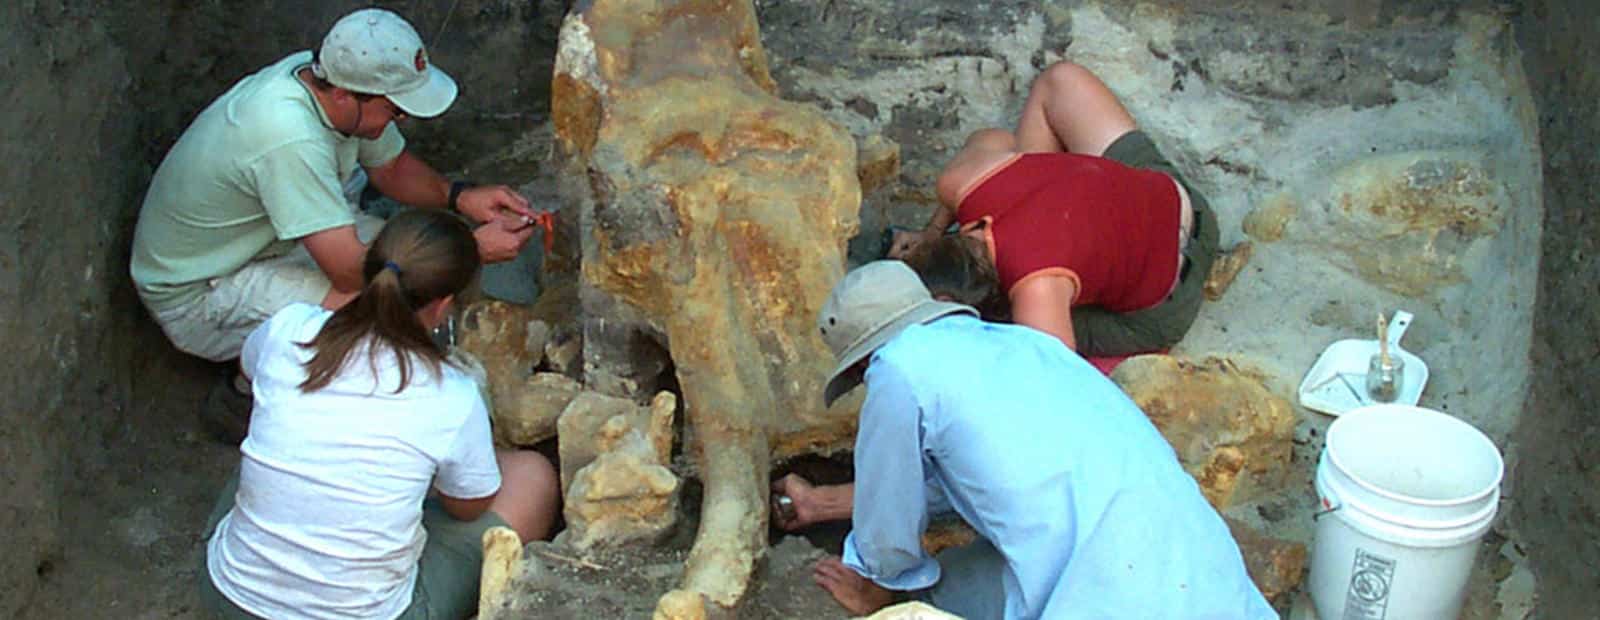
[328, 517]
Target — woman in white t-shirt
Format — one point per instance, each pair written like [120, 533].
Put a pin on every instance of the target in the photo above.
[358, 415]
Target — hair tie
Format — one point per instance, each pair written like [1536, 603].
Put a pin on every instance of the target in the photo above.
[393, 267]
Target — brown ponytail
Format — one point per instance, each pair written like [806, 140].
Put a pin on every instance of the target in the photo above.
[421, 255]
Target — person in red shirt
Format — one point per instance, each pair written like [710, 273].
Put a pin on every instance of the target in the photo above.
[1074, 224]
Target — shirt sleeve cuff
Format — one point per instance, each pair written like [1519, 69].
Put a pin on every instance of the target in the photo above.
[919, 576]
[336, 220]
[471, 487]
[383, 149]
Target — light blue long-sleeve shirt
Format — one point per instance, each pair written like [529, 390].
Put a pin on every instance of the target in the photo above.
[1049, 461]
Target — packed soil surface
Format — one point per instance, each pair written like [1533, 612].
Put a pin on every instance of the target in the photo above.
[626, 583]
[135, 528]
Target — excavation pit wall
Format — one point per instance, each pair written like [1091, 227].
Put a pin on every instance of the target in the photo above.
[1331, 149]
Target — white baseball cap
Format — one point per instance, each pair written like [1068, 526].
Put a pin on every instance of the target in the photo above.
[376, 52]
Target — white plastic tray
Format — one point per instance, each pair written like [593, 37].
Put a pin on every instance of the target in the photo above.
[1337, 382]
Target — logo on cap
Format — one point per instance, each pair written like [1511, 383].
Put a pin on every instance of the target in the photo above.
[421, 60]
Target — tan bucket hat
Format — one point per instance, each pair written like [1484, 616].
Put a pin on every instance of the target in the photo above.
[376, 52]
[868, 308]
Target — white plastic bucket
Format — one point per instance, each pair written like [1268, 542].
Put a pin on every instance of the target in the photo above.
[1405, 495]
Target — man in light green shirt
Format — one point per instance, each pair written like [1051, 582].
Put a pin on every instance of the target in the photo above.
[247, 214]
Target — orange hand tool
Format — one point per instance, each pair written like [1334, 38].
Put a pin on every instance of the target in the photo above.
[547, 221]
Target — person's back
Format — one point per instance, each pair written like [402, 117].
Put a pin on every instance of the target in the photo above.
[332, 481]
[1051, 462]
[1109, 224]
[358, 413]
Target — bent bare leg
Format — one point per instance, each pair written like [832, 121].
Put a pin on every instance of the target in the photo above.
[1070, 110]
[984, 150]
[528, 497]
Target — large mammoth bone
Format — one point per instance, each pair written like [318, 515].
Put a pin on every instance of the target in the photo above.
[713, 220]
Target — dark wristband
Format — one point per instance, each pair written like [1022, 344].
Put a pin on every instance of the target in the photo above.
[456, 188]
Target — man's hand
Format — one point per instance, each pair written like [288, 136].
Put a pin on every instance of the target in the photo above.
[857, 594]
[487, 203]
[502, 239]
[905, 241]
[811, 504]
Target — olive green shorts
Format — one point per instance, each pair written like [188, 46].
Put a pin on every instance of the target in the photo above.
[1101, 332]
[447, 573]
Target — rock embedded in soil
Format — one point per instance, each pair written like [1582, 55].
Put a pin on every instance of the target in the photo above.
[581, 428]
[1275, 565]
[508, 340]
[616, 486]
[623, 496]
[877, 162]
[946, 532]
[1226, 268]
[1407, 221]
[530, 415]
[1229, 431]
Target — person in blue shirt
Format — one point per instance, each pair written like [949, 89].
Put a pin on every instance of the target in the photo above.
[1080, 504]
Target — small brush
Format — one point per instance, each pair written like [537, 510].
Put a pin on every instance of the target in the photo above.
[1383, 372]
[1383, 341]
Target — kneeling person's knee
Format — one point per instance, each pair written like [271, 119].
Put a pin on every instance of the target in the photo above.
[992, 139]
[529, 493]
[1064, 74]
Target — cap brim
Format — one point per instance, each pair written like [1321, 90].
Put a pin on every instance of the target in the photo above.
[840, 382]
[429, 100]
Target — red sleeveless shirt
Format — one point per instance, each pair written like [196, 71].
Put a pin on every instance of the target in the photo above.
[1110, 227]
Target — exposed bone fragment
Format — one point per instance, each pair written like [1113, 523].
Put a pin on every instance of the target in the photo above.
[713, 223]
[502, 562]
[658, 429]
[581, 429]
[912, 610]
[624, 495]
[1225, 268]
[681, 605]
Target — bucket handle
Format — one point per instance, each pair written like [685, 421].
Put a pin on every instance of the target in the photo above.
[1330, 503]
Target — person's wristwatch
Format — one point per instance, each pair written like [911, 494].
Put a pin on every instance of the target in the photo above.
[456, 188]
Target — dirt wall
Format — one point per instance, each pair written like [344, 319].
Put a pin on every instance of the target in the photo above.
[71, 169]
[1555, 497]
